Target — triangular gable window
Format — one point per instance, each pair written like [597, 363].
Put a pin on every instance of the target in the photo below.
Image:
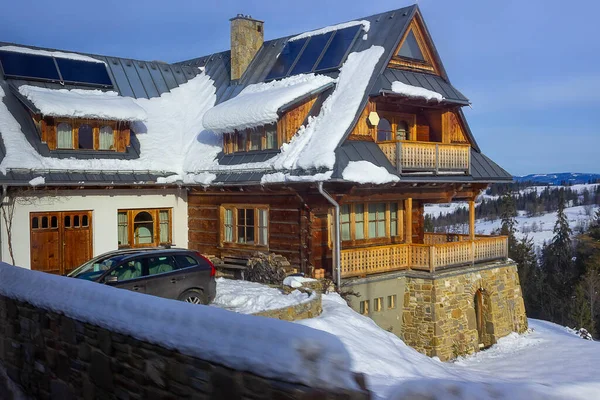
[410, 48]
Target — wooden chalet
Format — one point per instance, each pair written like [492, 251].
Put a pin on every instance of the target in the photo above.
[323, 147]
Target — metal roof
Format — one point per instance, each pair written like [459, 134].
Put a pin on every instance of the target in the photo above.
[79, 178]
[428, 81]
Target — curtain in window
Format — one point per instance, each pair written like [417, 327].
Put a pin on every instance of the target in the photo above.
[122, 228]
[143, 228]
[359, 221]
[106, 138]
[384, 130]
[255, 139]
[263, 225]
[271, 132]
[64, 134]
[228, 225]
[163, 218]
[345, 221]
[402, 131]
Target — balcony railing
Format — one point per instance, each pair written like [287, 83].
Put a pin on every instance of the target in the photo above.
[413, 156]
[439, 252]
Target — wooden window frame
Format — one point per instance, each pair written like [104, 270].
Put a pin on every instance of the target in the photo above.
[230, 141]
[378, 304]
[76, 123]
[394, 118]
[155, 213]
[364, 307]
[387, 239]
[392, 301]
[234, 209]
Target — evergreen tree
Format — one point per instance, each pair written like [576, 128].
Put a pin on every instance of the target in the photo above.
[581, 315]
[508, 216]
[529, 276]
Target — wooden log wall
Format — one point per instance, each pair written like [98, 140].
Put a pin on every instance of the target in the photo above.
[291, 120]
[289, 225]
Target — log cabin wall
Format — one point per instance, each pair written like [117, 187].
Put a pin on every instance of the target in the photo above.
[288, 232]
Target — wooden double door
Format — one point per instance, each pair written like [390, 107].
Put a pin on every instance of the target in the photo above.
[60, 241]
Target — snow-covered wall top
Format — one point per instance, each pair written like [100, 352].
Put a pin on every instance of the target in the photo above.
[79, 103]
[57, 54]
[366, 25]
[414, 91]
[258, 104]
[267, 347]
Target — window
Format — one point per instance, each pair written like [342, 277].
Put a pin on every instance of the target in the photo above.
[376, 220]
[64, 134]
[130, 270]
[392, 302]
[143, 228]
[271, 137]
[378, 304]
[245, 225]
[364, 307]
[85, 135]
[185, 261]
[360, 221]
[384, 131]
[106, 138]
[396, 126]
[161, 265]
[410, 48]
[251, 139]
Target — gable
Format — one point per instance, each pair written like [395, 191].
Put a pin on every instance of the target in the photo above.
[415, 50]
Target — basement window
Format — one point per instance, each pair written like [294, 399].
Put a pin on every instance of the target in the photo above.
[378, 304]
[391, 302]
[364, 307]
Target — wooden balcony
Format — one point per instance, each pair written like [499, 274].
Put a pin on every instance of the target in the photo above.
[439, 251]
[411, 156]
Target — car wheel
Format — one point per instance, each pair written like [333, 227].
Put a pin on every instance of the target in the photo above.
[194, 296]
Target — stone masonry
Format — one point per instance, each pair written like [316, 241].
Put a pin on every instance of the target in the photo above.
[439, 312]
[52, 356]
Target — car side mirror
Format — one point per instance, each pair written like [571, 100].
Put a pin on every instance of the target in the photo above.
[111, 279]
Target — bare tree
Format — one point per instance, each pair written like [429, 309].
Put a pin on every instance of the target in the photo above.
[8, 210]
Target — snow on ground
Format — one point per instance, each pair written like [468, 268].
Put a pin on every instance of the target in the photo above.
[79, 103]
[56, 54]
[435, 210]
[258, 104]
[548, 363]
[414, 91]
[278, 349]
[297, 281]
[366, 172]
[249, 297]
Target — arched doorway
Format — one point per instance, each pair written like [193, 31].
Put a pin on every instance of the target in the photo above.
[478, 302]
[483, 318]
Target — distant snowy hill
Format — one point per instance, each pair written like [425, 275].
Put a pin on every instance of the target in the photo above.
[559, 178]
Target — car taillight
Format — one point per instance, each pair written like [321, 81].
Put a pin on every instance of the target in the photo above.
[213, 270]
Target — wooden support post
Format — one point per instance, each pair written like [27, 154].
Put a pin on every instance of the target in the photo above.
[472, 219]
[408, 213]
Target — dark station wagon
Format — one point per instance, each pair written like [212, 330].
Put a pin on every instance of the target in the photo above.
[170, 273]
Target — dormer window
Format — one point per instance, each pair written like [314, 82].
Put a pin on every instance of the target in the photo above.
[73, 134]
[251, 139]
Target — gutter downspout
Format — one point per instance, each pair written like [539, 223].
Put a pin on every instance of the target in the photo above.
[2, 197]
[337, 253]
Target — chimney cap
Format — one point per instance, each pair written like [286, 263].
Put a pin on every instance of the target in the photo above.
[248, 17]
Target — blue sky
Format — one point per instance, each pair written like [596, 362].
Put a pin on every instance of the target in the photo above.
[529, 67]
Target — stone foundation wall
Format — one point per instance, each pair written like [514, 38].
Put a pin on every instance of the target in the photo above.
[439, 315]
[52, 356]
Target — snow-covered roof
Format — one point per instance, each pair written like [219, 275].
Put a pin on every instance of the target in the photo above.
[259, 104]
[415, 91]
[79, 103]
[366, 25]
[367, 172]
[56, 54]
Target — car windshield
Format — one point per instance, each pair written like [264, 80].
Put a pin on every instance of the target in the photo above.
[94, 268]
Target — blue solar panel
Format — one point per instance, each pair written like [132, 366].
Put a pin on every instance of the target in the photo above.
[286, 59]
[338, 48]
[311, 54]
[75, 71]
[29, 66]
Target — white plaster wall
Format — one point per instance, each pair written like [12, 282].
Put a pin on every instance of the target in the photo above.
[103, 204]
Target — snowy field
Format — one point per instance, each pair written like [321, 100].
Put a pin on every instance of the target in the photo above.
[550, 362]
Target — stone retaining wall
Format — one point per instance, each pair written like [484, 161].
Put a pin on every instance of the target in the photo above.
[309, 309]
[52, 356]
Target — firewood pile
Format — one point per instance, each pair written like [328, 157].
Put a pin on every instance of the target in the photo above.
[268, 269]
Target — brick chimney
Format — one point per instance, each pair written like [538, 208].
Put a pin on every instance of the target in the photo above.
[247, 37]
